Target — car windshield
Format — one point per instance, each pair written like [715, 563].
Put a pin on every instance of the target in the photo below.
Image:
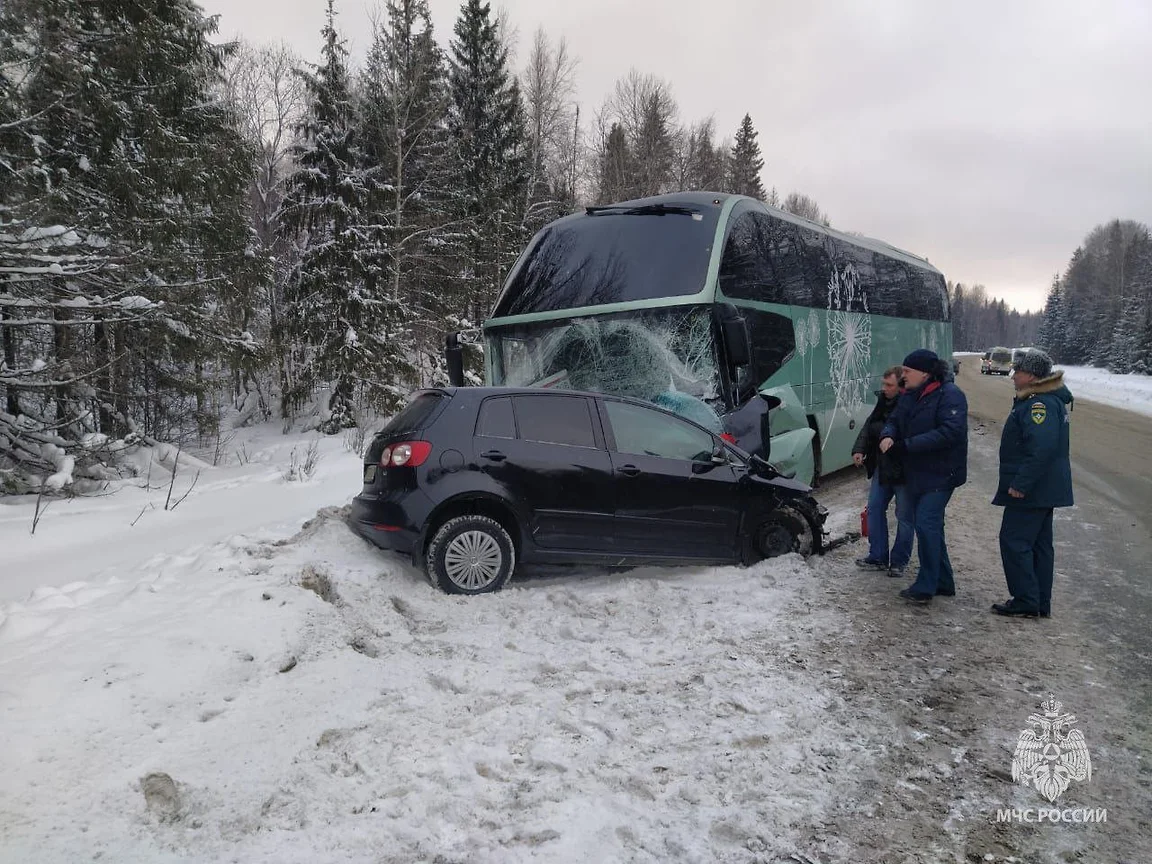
[664, 356]
[612, 255]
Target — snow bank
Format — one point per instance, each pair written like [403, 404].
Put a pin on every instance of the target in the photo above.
[1131, 392]
[99, 536]
[315, 700]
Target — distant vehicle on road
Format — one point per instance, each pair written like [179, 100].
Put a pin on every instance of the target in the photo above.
[474, 482]
[997, 361]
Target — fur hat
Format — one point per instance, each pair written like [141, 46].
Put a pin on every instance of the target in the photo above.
[1035, 362]
[922, 360]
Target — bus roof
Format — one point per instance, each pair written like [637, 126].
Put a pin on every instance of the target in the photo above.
[718, 199]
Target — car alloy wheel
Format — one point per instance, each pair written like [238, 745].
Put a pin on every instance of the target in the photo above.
[473, 560]
[470, 555]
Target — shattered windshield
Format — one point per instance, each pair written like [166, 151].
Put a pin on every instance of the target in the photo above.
[664, 356]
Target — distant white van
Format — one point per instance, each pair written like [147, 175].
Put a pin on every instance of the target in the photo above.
[997, 361]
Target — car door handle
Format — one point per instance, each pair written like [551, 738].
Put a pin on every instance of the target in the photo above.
[494, 455]
[628, 470]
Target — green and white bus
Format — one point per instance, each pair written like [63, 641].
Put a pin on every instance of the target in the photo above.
[737, 315]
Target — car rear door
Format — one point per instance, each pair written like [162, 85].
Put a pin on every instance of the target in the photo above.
[548, 453]
[671, 500]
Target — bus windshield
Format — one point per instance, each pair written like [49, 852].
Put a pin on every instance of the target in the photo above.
[612, 256]
[665, 356]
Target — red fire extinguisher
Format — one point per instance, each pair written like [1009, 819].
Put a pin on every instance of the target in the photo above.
[864, 521]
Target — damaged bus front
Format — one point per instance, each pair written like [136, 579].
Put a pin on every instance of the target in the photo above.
[699, 303]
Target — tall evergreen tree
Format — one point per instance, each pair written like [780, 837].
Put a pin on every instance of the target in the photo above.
[1079, 304]
[614, 171]
[1127, 336]
[339, 314]
[746, 163]
[1138, 275]
[1053, 324]
[126, 244]
[653, 148]
[404, 106]
[486, 123]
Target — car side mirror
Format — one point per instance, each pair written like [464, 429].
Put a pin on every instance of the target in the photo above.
[702, 465]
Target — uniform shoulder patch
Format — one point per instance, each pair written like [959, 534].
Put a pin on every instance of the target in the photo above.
[1039, 412]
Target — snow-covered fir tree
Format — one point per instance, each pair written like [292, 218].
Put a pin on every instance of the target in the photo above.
[1127, 333]
[404, 103]
[347, 331]
[486, 123]
[1053, 324]
[124, 243]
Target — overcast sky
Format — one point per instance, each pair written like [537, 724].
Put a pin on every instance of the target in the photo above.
[989, 137]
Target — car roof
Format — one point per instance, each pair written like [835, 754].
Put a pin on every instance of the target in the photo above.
[479, 393]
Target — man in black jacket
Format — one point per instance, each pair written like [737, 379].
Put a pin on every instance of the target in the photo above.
[887, 476]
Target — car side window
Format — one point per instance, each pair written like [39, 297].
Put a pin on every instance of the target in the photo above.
[643, 432]
[496, 419]
[552, 419]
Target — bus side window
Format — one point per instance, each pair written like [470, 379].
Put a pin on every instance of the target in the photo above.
[754, 258]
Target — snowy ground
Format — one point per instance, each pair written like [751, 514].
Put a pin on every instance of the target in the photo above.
[315, 700]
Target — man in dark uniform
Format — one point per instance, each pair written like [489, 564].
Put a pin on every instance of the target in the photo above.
[887, 476]
[1035, 478]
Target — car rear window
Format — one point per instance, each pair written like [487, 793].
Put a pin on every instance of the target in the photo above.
[415, 415]
[555, 420]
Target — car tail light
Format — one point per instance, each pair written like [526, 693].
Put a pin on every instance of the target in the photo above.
[408, 454]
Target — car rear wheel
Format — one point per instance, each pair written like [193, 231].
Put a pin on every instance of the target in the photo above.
[471, 555]
[785, 530]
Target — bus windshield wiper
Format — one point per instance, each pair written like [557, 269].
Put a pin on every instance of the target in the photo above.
[644, 210]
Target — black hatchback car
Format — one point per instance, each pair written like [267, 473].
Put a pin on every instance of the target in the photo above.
[474, 482]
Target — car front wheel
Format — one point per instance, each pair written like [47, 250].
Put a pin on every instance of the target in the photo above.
[471, 555]
[785, 530]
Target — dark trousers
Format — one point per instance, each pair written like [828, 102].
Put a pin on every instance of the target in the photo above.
[878, 500]
[1028, 556]
[935, 569]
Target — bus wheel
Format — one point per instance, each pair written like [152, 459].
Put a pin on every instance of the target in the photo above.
[785, 530]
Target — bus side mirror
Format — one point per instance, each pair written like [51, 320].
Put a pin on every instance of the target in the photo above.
[454, 359]
[734, 331]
